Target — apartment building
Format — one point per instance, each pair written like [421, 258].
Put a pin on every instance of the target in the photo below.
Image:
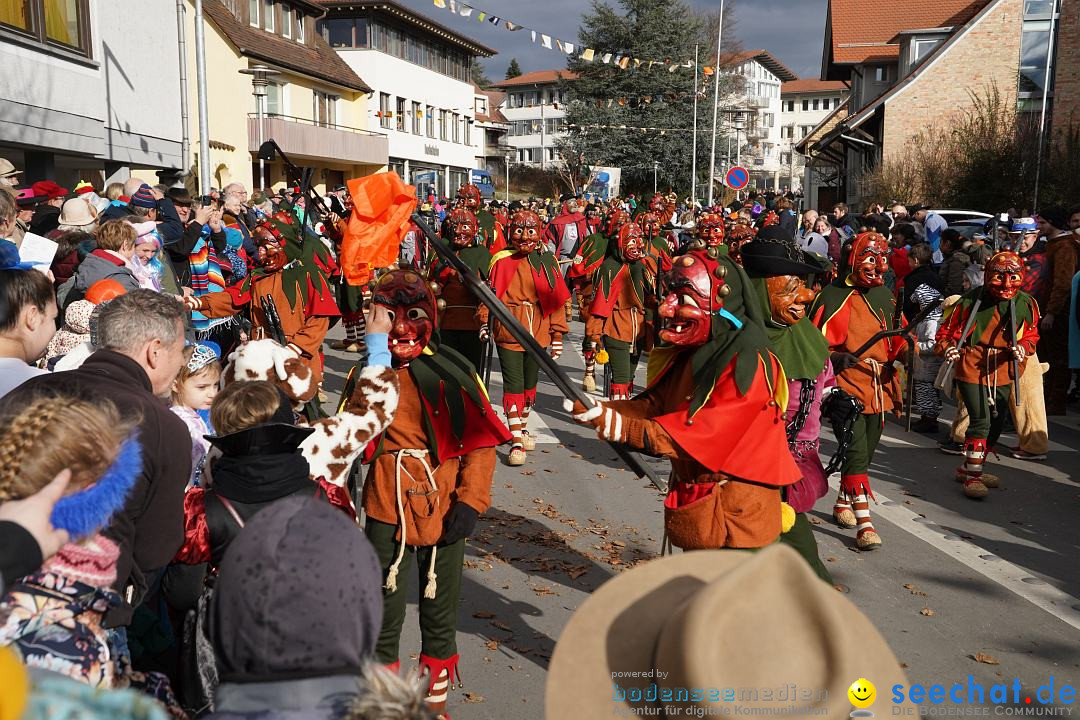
[422, 94]
[535, 109]
[803, 105]
[753, 116]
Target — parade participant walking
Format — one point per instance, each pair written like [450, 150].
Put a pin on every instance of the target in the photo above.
[527, 280]
[776, 268]
[587, 260]
[459, 327]
[988, 336]
[713, 407]
[849, 312]
[625, 286]
[491, 231]
[738, 236]
[430, 475]
[566, 230]
[292, 273]
[656, 242]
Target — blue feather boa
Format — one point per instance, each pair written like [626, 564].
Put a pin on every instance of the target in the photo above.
[85, 512]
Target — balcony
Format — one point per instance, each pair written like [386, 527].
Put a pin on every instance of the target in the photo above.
[757, 101]
[305, 139]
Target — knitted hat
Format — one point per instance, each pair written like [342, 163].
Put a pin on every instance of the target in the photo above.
[92, 561]
[144, 198]
[83, 188]
[299, 595]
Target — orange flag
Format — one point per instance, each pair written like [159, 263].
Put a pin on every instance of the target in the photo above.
[382, 205]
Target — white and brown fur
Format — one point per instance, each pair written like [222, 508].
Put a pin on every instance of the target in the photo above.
[338, 440]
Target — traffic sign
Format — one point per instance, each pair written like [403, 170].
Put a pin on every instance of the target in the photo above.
[737, 178]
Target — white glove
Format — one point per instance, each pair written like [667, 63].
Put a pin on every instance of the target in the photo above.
[952, 355]
[485, 333]
[1020, 353]
[192, 302]
[587, 417]
[556, 349]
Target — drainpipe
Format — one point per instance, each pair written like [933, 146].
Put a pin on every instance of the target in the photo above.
[185, 140]
[204, 122]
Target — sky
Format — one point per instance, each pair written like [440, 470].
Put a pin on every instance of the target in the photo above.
[792, 30]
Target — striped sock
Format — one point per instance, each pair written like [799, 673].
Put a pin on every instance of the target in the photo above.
[861, 506]
[514, 422]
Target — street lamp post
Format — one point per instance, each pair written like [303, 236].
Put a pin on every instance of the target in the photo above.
[739, 125]
[655, 167]
[260, 75]
[508, 156]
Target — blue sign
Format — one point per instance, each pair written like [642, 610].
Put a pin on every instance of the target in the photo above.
[737, 178]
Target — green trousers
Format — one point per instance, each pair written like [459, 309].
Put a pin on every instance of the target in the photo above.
[466, 342]
[866, 434]
[438, 616]
[984, 424]
[621, 361]
[801, 539]
[520, 372]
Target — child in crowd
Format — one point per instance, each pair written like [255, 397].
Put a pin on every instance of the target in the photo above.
[53, 616]
[145, 265]
[923, 286]
[193, 391]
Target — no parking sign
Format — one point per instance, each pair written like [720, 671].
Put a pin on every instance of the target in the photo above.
[737, 178]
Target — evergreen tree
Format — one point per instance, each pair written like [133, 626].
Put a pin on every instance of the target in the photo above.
[514, 70]
[603, 94]
[479, 74]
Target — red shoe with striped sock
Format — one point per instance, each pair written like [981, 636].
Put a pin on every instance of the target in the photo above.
[971, 472]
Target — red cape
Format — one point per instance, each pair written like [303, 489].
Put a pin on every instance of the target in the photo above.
[550, 298]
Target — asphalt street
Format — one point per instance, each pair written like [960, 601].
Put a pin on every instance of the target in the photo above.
[960, 587]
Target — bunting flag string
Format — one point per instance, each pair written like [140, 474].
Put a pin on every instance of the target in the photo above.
[550, 42]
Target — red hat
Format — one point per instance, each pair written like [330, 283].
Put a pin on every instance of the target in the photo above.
[104, 290]
[49, 190]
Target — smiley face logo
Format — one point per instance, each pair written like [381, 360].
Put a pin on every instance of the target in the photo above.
[862, 693]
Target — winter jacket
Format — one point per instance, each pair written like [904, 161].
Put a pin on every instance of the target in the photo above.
[98, 265]
[1035, 271]
[46, 219]
[74, 332]
[952, 273]
[1063, 261]
[150, 527]
[19, 553]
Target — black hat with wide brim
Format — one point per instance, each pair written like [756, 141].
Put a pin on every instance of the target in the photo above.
[766, 257]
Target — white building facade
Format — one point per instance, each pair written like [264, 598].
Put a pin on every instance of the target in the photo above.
[76, 90]
[757, 106]
[423, 97]
[535, 110]
[805, 104]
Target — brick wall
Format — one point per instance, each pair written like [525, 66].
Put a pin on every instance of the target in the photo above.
[988, 53]
[1067, 75]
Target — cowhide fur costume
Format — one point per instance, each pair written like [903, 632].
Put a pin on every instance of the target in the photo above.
[337, 440]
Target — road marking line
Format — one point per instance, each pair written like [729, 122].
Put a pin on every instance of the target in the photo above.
[1012, 577]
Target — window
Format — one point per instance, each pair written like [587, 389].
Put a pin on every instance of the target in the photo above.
[768, 120]
[457, 127]
[786, 132]
[54, 22]
[444, 120]
[275, 99]
[324, 109]
[268, 15]
[884, 74]
[922, 48]
[468, 131]
[253, 12]
[400, 114]
[417, 117]
[338, 32]
[789, 106]
[300, 20]
[785, 158]
[1034, 44]
[805, 130]
[286, 21]
[805, 105]
[430, 121]
[384, 110]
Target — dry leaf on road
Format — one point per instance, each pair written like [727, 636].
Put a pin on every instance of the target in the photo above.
[986, 659]
[474, 697]
[483, 615]
[927, 612]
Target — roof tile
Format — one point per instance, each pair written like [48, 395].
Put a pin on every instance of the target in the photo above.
[537, 76]
[862, 30]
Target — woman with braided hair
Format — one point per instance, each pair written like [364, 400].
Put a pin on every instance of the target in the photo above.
[52, 617]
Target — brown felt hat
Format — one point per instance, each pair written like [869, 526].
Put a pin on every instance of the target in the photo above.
[714, 621]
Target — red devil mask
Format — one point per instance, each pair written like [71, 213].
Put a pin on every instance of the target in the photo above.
[463, 227]
[502, 215]
[740, 235]
[616, 219]
[631, 243]
[524, 231]
[710, 228]
[650, 224]
[658, 204]
[1004, 275]
[413, 313]
[695, 290]
[269, 247]
[469, 197]
[869, 260]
